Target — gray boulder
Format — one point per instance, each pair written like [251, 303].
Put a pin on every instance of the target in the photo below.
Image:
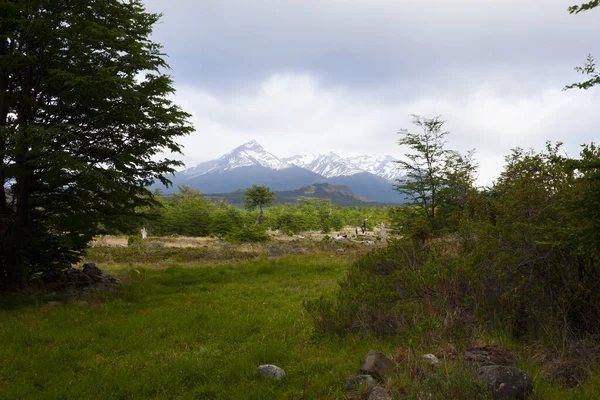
[357, 382]
[270, 371]
[507, 383]
[379, 393]
[377, 365]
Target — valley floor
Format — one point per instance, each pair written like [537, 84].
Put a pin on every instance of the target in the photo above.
[199, 333]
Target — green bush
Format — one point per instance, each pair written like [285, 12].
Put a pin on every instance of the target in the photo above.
[381, 293]
[134, 241]
[250, 234]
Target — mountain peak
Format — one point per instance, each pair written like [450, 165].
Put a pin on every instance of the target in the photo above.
[252, 143]
[327, 165]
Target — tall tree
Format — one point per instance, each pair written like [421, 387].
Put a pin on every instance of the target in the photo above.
[258, 196]
[84, 112]
[424, 165]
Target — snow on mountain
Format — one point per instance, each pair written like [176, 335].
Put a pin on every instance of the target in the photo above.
[246, 155]
[327, 165]
[383, 166]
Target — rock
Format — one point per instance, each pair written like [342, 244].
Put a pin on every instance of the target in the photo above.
[270, 371]
[379, 393]
[507, 383]
[91, 269]
[359, 381]
[53, 303]
[84, 280]
[377, 365]
[431, 359]
[490, 355]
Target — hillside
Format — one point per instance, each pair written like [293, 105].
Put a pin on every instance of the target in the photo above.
[338, 194]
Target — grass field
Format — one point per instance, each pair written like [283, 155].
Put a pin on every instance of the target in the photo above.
[185, 332]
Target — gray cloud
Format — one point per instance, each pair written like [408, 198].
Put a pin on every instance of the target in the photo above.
[227, 42]
[320, 75]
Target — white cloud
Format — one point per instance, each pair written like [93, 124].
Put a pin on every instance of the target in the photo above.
[297, 113]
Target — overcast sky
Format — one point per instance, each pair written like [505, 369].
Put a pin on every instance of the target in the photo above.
[312, 76]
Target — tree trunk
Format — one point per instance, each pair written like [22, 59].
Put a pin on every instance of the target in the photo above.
[4, 212]
[14, 257]
[260, 214]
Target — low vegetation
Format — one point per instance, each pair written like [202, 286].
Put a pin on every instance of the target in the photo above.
[196, 328]
[189, 213]
[179, 332]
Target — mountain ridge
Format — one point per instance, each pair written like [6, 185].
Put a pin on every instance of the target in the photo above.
[328, 165]
[250, 164]
[338, 194]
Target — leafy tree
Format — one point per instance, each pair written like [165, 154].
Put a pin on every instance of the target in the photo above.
[224, 219]
[190, 213]
[84, 111]
[424, 166]
[258, 196]
[589, 68]
[457, 195]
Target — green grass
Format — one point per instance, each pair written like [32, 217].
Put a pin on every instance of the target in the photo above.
[199, 333]
[184, 333]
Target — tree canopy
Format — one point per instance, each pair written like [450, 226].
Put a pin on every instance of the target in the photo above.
[84, 114]
[434, 175]
[258, 196]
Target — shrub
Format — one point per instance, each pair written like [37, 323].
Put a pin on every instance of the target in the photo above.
[250, 234]
[134, 241]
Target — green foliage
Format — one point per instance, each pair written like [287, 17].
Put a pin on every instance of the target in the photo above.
[249, 234]
[134, 241]
[584, 7]
[188, 213]
[424, 165]
[84, 110]
[439, 181]
[258, 196]
[224, 219]
[523, 259]
[589, 68]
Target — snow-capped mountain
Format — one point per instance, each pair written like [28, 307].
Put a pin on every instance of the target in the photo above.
[367, 176]
[247, 155]
[383, 166]
[328, 165]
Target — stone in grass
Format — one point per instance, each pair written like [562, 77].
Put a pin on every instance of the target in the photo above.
[357, 382]
[379, 393]
[431, 359]
[377, 365]
[270, 371]
[507, 383]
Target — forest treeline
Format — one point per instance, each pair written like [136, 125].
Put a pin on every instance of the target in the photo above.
[189, 213]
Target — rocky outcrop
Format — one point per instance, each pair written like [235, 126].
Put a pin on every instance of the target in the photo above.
[90, 276]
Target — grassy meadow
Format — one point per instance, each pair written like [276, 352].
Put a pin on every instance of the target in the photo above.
[182, 333]
[199, 330]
